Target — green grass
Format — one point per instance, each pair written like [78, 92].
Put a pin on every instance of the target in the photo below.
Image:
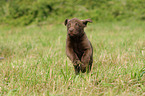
[36, 64]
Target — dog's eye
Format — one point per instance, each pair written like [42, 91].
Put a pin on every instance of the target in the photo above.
[69, 25]
[77, 24]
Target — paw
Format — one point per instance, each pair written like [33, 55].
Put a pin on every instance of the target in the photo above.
[77, 62]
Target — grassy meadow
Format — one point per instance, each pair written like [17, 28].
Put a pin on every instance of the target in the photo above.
[35, 62]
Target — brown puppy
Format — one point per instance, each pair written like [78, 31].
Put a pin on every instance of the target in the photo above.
[78, 48]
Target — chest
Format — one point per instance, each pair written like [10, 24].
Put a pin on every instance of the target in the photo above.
[78, 48]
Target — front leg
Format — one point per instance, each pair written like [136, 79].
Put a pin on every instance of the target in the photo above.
[87, 61]
[74, 58]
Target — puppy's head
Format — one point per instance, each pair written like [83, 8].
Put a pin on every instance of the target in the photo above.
[75, 27]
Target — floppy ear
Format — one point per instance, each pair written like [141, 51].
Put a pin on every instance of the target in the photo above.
[86, 21]
[66, 21]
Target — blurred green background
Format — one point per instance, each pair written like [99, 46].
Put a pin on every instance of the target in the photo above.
[26, 12]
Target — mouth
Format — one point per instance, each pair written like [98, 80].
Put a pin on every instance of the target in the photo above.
[71, 34]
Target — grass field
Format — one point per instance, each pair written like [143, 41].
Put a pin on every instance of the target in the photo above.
[36, 64]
